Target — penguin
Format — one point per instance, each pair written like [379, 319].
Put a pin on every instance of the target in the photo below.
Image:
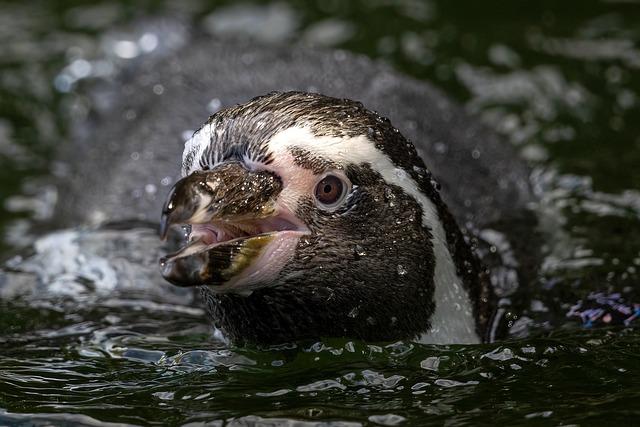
[311, 216]
[408, 217]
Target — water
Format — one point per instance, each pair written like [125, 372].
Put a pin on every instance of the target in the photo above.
[558, 80]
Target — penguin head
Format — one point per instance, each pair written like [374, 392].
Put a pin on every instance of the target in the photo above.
[321, 202]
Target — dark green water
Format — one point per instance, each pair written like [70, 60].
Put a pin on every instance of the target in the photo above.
[560, 80]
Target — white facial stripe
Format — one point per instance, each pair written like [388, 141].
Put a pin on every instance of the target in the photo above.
[453, 318]
[196, 145]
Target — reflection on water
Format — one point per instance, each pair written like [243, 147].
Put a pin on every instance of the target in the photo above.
[85, 340]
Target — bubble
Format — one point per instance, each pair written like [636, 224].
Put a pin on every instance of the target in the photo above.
[130, 115]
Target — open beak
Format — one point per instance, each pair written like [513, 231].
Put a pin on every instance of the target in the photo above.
[236, 228]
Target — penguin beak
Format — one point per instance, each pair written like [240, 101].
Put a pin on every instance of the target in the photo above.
[234, 225]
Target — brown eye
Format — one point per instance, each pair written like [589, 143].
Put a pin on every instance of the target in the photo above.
[330, 191]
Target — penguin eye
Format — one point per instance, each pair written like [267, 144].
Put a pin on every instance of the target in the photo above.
[331, 191]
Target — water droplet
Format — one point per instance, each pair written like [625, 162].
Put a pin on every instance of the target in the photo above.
[359, 251]
[435, 184]
[388, 194]
[186, 229]
[150, 189]
[420, 170]
[440, 147]
[130, 115]
[400, 174]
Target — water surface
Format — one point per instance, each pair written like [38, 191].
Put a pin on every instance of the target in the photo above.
[560, 81]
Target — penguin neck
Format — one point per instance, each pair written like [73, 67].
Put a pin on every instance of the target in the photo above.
[462, 292]
[453, 319]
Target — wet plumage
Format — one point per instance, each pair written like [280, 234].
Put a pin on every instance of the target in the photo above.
[387, 263]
